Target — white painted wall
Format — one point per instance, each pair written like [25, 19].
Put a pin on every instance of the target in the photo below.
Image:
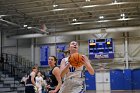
[37, 55]
[25, 52]
[102, 82]
[10, 50]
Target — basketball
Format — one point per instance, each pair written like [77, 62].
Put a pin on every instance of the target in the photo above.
[76, 60]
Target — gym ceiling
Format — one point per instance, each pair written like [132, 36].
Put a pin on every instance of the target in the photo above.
[21, 16]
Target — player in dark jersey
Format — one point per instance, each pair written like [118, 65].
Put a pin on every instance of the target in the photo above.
[54, 76]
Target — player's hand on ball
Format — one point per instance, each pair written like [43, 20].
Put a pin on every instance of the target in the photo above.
[84, 59]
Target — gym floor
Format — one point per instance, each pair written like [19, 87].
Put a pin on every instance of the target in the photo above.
[138, 91]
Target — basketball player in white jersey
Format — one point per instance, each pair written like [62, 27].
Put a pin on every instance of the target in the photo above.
[73, 77]
[39, 82]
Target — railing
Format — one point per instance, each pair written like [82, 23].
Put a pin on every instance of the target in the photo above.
[14, 65]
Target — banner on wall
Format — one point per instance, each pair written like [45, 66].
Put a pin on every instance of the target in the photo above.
[44, 54]
[60, 52]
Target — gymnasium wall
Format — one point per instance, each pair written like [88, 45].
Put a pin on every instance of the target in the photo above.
[37, 55]
[9, 45]
[54, 39]
[129, 78]
[21, 47]
[18, 46]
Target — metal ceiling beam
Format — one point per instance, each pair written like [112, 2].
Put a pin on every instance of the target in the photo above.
[85, 17]
[79, 32]
[93, 20]
[60, 24]
[75, 8]
[91, 24]
[88, 11]
[72, 8]
[80, 13]
[62, 19]
[36, 1]
[22, 3]
[19, 26]
[49, 16]
[10, 23]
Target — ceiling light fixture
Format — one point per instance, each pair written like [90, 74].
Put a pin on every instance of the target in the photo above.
[58, 9]
[74, 20]
[123, 19]
[122, 16]
[103, 21]
[25, 25]
[87, 0]
[89, 6]
[101, 17]
[78, 23]
[29, 27]
[55, 5]
[116, 3]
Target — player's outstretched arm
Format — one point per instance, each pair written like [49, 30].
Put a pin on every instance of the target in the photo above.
[87, 64]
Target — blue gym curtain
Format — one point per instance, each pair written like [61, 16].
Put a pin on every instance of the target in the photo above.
[44, 54]
[60, 55]
[90, 81]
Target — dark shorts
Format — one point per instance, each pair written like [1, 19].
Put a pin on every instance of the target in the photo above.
[50, 90]
[29, 89]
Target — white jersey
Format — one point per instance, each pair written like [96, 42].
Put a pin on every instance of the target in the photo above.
[73, 81]
[39, 81]
[74, 72]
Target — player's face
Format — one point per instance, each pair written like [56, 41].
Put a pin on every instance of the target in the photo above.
[73, 46]
[51, 61]
[35, 70]
[39, 74]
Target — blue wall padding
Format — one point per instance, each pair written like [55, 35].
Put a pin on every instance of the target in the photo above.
[136, 79]
[90, 81]
[117, 80]
[127, 79]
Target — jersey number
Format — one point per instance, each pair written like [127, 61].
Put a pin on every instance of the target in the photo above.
[72, 69]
